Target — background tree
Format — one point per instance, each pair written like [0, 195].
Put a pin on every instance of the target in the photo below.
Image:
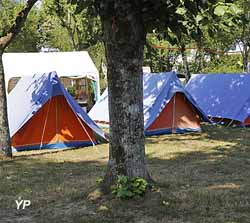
[64, 28]
[243, 38]
[80, 30]
[226, 33]
[29, 37]
[208, 34]
[158, 54]
[8, 33]
[224, 64]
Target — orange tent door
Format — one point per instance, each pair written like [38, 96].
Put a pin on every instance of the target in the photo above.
[165, 119]
[186, 116]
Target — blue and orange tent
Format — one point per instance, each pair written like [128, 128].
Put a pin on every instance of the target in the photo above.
[43, 115]
[168, 107]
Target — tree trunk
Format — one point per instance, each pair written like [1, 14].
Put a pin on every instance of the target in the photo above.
[198, 60]
[185, 62]
[124, 39]
[245, 58]
[244, 37]
[5, 146]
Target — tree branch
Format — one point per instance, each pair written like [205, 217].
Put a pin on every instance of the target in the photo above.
[6, 39]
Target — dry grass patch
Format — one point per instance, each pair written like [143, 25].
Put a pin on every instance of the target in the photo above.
[202, 178]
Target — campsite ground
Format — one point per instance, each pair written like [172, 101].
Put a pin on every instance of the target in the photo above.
[202, 178]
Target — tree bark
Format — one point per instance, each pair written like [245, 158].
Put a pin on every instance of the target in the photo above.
[245, 38]
[5, 145]
[199, 57]
[5, 40]
[185, 62]
[245, 57]
[124, 38]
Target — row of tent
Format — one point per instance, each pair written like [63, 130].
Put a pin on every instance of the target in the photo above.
[42, 114]
[169, 107]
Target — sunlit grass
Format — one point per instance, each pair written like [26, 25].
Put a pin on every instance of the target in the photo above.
[201, 178]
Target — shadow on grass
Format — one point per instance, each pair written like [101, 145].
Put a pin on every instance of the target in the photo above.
[195, 186]
[58, 190]
[205, 186]
[209, 132]
[33, 153]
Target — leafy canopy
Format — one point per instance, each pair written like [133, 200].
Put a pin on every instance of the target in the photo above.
[28, 38]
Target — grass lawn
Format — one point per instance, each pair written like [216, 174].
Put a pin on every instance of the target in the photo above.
[202, 178]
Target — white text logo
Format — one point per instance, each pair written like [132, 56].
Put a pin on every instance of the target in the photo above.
[22, 204]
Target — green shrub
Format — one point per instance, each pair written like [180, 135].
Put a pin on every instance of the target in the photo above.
[126, 187]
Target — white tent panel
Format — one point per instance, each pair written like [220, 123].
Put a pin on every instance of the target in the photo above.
[99, 112]
[66, 64]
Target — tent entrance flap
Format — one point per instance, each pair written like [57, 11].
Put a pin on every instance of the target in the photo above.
[185, 115]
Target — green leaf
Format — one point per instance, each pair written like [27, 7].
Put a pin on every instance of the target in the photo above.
[181, 11]
[198, 18]
[126, 187]
[220, 10]
[125, 194]
[185, 23]
[235, 9]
